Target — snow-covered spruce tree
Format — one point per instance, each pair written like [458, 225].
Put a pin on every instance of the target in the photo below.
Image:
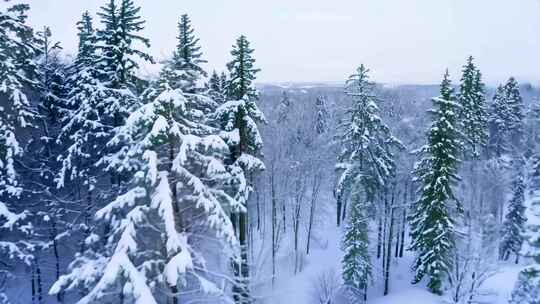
[356, 260]
[84, 130]
[121, 25]
[18, 50]
[284, 108]
[506, 118]
[433, 214]
[118, 58]
[241, 71]
[366, 143]
[472, 114]
[217, 87]
[51, 218]
[527, 288]
[512, 232]
[499, 116]
[516, 108]
[177, 163]
[184, 67]
[321, 120]
[238, 118]
[51, 76]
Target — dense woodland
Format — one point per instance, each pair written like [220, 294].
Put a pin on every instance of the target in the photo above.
[196, 186]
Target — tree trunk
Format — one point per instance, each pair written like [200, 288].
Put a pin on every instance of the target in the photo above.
[402, 238]
[314, 195]
[379, 237]
[389, 253]
[176, 209]
[39, 283]
[404, 218]
[338, 210]
[54, 234]
[257, 198]
[283, 211]
[344, 211]
[396, 247]
[33, 277]
[274, 224]
[244, 267]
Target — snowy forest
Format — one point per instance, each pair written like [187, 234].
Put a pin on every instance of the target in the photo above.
[198, 185]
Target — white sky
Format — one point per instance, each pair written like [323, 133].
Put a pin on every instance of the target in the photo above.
[401, 41]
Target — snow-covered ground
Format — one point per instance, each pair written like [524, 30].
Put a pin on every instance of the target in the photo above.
[299, 288]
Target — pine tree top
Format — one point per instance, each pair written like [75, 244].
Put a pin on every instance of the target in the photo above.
[242, 70]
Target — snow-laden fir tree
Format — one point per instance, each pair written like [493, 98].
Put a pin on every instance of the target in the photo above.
[241, 71]
[321, 119]
[515, 105]
[367, 145]
[506, 118]
[472, 114]
[18, 49]
[512, 232]
[178, 164]
[217, 87]
[284, 108]
[356, 262]
[499, 116]
[84, 131]
[119, 58]
[184, 67]
[121, 26]
[432, 215]
[51, 74]
[238, 119]
[527, 288]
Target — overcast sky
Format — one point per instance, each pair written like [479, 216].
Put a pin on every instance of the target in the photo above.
[401, 41]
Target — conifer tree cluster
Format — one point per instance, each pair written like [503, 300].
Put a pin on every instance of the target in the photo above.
[151, 167]
[506, 118]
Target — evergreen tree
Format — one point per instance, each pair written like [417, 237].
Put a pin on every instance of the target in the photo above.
[356, 262]
[82, 138]
[18, 49]
[217, 87]
[115, 41]
[472, 114]
[515, 105]
[185, 65]
[284, 108]
[242, 71]
[431, 218]
[117, 60]
[321, 120]
[366, 142]
[506, 118]
[238, 120]
[83, 130]
[499, 116]
[512, 237]
[527, 288]
[51, 74]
